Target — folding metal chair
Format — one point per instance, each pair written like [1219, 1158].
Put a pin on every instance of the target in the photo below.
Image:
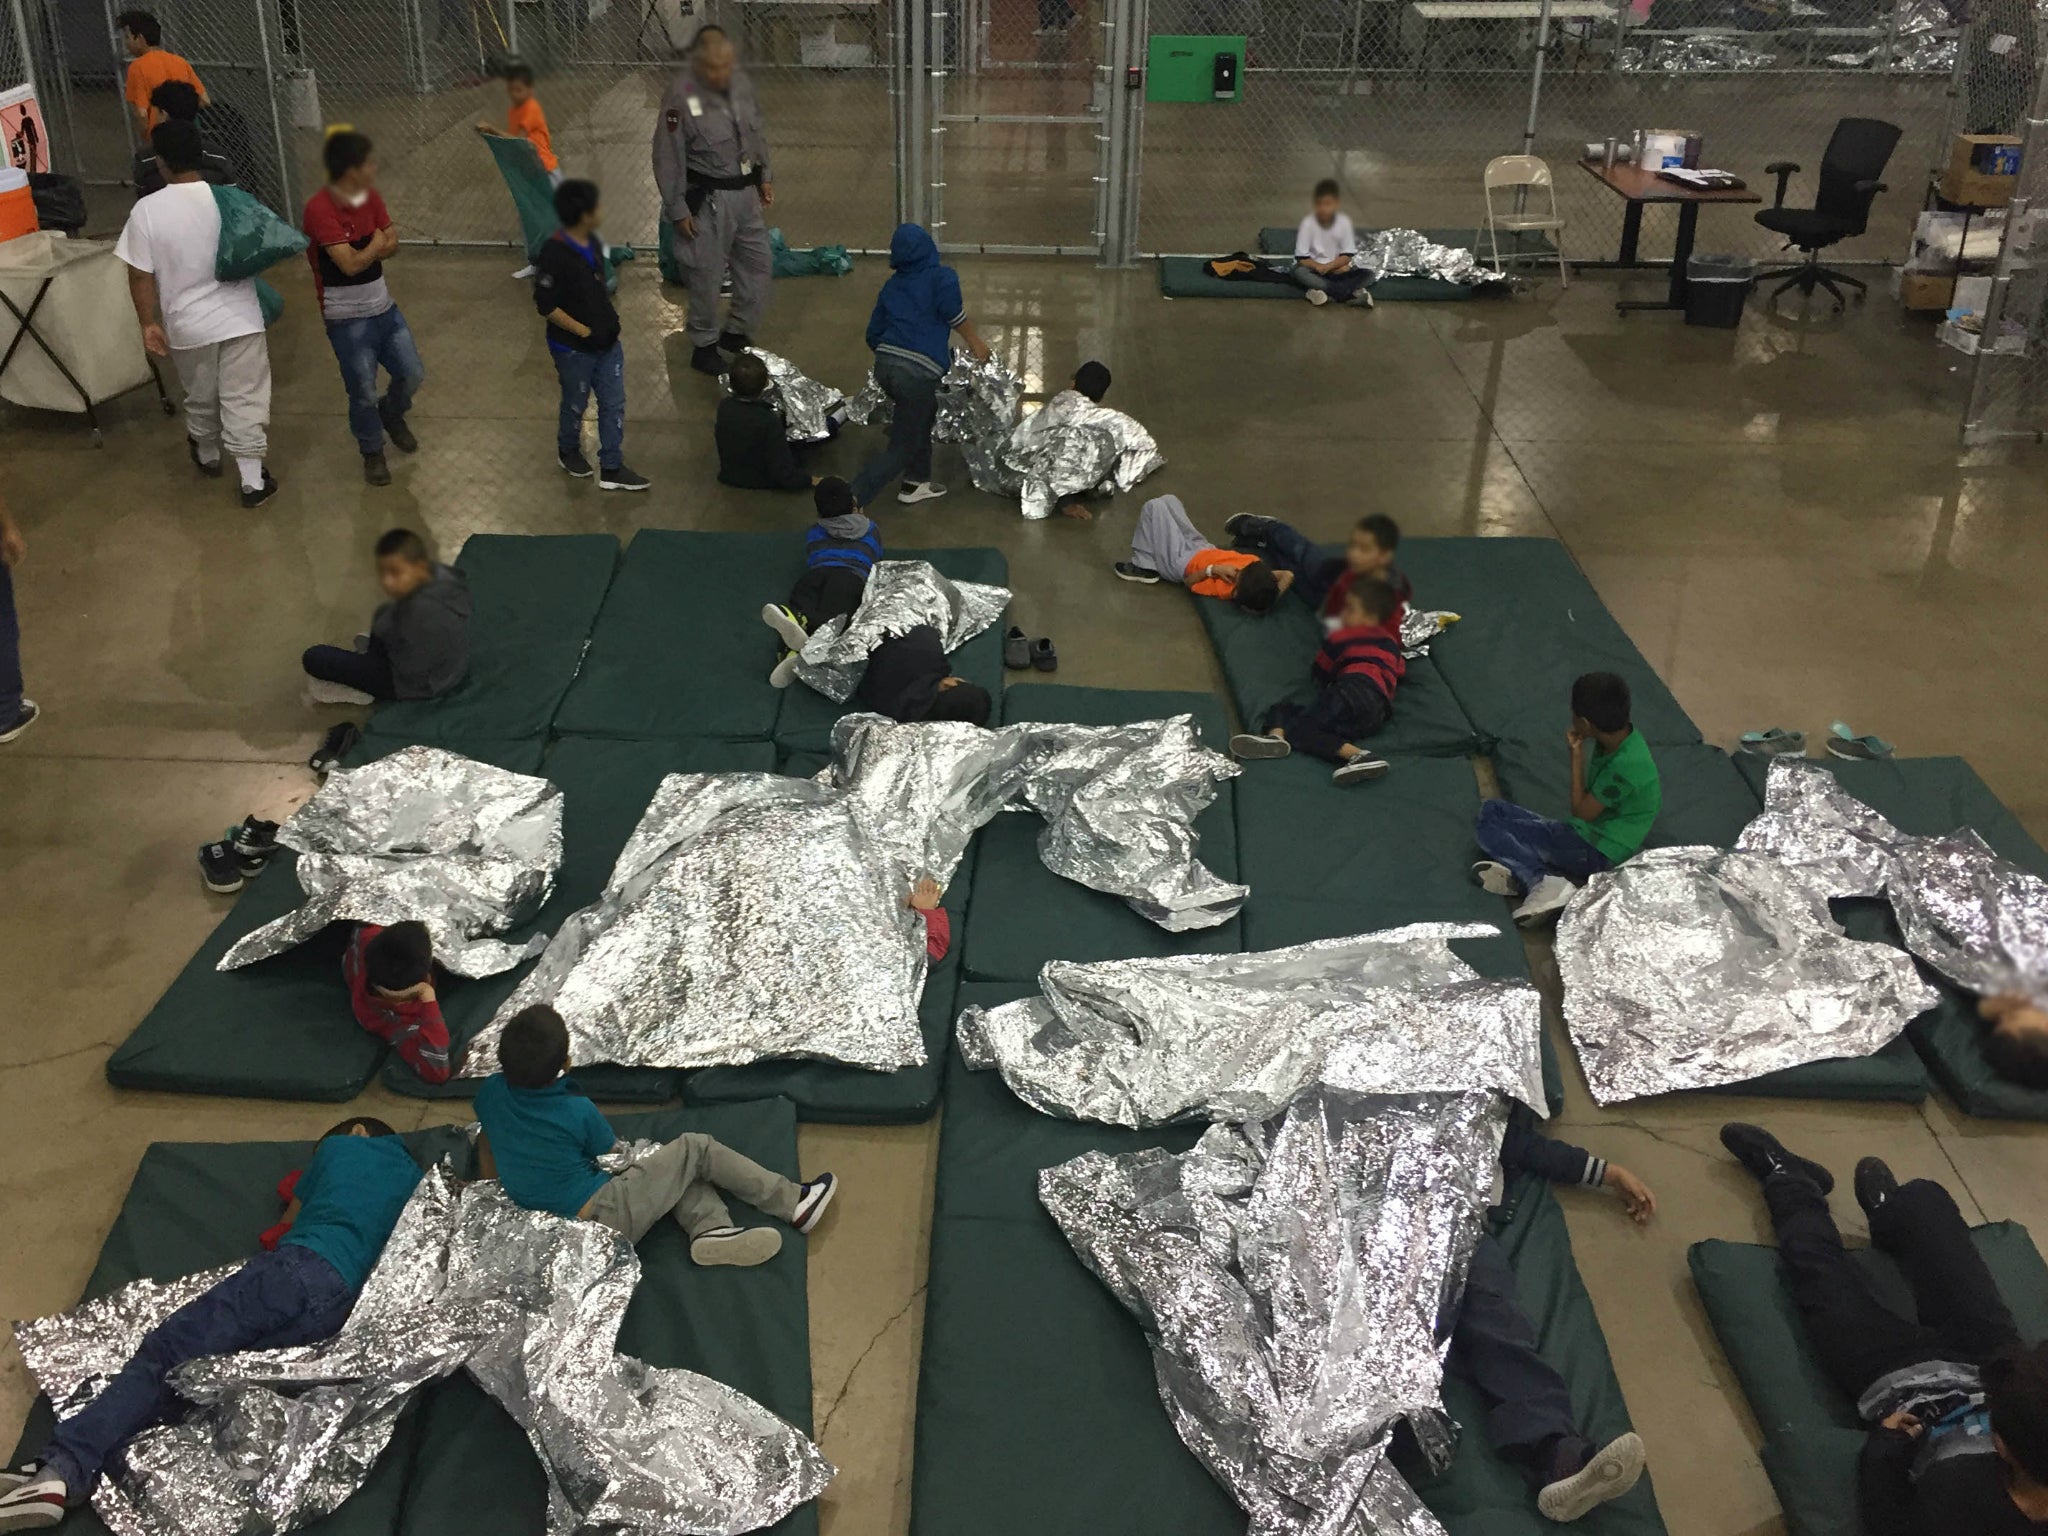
[1510, 172]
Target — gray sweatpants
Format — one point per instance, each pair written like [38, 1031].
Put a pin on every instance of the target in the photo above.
[683, 1179]
[730, 232]
[227, 394]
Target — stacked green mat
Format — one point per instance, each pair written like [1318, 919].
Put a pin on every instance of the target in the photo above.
[1707, 800]
[1037, 1407]
[1811, 1434]
[457, 1462]
[1930, 797]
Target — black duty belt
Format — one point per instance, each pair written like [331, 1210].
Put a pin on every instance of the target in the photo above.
[699, 180]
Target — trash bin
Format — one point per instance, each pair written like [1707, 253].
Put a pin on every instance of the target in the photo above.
[1716, 288]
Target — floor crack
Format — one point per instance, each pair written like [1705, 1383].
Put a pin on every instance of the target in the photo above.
[845, 1386]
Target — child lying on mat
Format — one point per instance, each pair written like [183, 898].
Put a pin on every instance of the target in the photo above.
[541, 1136]
[418, 644]
[1615, 797]
[1356, 671]
[1166, 546]
[298, 1291]
[2017, 1041]
[909, 679]
[840, 551]
[390, 974]
[1322, 578]
[1954, 1401]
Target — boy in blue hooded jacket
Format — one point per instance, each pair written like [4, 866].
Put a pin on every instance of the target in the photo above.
[910, 334]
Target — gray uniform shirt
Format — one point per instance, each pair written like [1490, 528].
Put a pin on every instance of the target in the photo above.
[714, 133]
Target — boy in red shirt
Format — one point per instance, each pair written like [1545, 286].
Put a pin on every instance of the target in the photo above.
[352, 238]
[390, 974]
[1356, 673]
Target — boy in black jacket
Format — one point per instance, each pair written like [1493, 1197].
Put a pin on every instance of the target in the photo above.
[754, 452]
[418, 644]
[583, 334]
[908, 679]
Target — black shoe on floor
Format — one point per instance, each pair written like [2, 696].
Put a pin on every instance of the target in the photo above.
[1017, 650]
[212, 471]
[622, 479]
[334, 746]
[708, 360]
[219, 868]
[575, 464]
[735, 341]
[375, 470]
[1234, 525]
[1044, 657]
[1875, 1184]
[254, 841]
[399, 433]
[1763, 1155]
[251, 500]
[29, 713]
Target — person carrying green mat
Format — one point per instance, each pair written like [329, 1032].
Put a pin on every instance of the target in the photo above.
[1956, 1406]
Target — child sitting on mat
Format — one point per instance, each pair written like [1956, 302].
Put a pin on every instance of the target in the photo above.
[1320, 577]
[418, 644]
[1324, 245]
[1356, 672]
[390, 974]
[840, 551]
[541, 1136]
[1615, 796]
[1166, 546]
[2017, 1041]
[754, 451]
[909, 679]
[298, 1291]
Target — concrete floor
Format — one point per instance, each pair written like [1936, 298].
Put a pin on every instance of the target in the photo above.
[1778, 515]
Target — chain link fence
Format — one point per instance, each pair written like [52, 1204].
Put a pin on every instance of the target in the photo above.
[2009, 385]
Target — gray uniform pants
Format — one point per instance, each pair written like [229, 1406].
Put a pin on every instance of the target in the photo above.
[730, 232]
[683, 1179]
[227, 394]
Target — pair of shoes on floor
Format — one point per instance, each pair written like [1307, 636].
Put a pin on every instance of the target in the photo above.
[789, 628]
[334, 746]
[1022, 653]
[1765, 1157]
[1841, 742]
[914, 491]
[1546, 899]
[31, 1499]
[619, 478]
[27, 716]
[242, 854]
[744, 1247]
[1249, 746]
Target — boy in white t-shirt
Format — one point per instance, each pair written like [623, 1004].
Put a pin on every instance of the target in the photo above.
[1323, 248]
[211, 331]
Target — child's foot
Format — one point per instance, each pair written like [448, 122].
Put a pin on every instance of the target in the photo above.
[1763, 1155]
[1494, 878]
[621, 479]
[321, 691]
[30, 713]
[1608, 1474]
[920, 490]
[34, 1505]
[789, 629]
[1130, 570]
[375, 470]
[1546, 899]
[220, 869]
[1356, 770]
[741, 1247]
[1249, 747]
[575, 464]
[783, 673]
[812, 1198]
[1317, 297]
[709, 360]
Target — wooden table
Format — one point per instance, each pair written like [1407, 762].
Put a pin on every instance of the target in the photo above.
[1638, 187]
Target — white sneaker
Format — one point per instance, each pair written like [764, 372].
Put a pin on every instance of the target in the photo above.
[741, 1247]
[1358, 769]
[1494, 878]
[1247, 745]
[920, 490]
[320, 691]
[1549, 897]
[783, 621]
[34, 1505]
[810, 1205]
[1614, 1469]
[522, 274]
[783, 673]
[1317, 297]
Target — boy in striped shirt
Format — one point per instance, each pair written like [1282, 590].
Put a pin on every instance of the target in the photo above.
[1356, 671]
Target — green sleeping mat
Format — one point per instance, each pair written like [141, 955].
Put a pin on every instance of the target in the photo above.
[806, 719]
[281, 1028]
[1811, 1435]
[1022, 914]
[1186, 277]
[1266, 661]
[457, 1463]
[1278, 240]
[1532, 623]
[1037, 1409]
[534, 599]
[605, 786]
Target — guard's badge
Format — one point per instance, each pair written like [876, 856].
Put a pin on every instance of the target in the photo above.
[673, 118]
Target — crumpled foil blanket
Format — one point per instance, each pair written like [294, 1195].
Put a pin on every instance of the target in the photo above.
[468, 849]
[1289, 1276]
[807, 406]
[1410, 253]
[901, 595]
[1693, 55]
[1978, 919]
[1237, 1037]
[528, 1303]
[753, 915]
[1420, 626]
[1695, 967]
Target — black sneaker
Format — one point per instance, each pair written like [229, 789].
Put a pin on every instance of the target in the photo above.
[1235, 524]
[254, 841]
[334, 746]
[708, 360]
[212, 471]
[399, 433]
[1130, 570]
[1875, 1184]
[1763, 1155]
[735, 341]
[254, 499]
[575, 464]
[30, 713]
[375, 470]
[219, 868]
[621, 479]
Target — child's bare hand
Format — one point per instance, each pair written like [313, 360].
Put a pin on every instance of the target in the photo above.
[1904, 1422]
[1635, 1195]
[926, 895]
[1284, 580]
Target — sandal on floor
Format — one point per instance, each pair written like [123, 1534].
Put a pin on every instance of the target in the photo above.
[1017, 650]
[1845, 743]
[1775, 742]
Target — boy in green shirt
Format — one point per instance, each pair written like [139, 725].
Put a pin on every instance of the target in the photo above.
[1615, 796]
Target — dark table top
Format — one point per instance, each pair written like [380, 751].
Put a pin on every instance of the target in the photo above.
[1641, 186]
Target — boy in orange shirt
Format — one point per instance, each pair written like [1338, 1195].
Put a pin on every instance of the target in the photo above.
[524, 119]
[1166, 546]
[151, 64]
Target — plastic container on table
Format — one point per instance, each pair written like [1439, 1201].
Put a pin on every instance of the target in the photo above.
[1716, 288]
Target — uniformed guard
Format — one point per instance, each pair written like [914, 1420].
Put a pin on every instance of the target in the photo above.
[711, 164]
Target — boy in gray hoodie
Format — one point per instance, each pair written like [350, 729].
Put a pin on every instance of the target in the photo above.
[418, 644]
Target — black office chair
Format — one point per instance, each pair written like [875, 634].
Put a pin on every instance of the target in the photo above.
[1849, 171]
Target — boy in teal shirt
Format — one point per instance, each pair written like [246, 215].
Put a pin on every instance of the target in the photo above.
[1615, 796]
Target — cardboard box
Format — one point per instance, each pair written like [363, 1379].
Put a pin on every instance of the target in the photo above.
[1925, 290]
[1983, 169]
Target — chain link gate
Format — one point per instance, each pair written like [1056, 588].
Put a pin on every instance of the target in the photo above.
[2009, 384]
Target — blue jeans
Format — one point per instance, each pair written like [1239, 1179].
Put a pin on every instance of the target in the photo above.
[1532, 846]
[1285, 547]
[276, 1300]
[602, 373]
[1338, 285]
[10, 653]
[362, 347]
[914, 396]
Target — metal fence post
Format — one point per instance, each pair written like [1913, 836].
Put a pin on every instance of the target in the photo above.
[272, 63]
[1536, 78]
